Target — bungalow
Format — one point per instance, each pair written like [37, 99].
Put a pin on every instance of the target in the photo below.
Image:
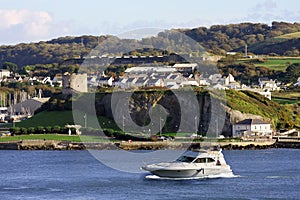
[251, 127]
[265, 83]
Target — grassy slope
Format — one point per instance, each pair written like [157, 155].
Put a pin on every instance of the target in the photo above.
[252, 103]
[53, 118]
[61, 118]
[290, 36]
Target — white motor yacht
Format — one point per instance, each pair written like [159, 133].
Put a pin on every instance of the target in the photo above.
[199, 164]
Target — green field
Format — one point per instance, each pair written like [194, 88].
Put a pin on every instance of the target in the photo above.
[62, 118]
[286, 97]
[51, 118]
[55, 137]
[278, 64]
[285, 100]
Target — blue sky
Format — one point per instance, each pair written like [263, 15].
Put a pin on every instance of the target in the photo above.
[35, 20]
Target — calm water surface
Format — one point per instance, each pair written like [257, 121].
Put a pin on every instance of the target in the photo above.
[262, 174]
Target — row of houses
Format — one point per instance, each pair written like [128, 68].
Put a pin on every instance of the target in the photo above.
[8, 77]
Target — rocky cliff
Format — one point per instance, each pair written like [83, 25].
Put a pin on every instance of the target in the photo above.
[213, 113]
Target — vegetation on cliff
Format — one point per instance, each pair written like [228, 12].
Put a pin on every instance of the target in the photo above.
[282, 116]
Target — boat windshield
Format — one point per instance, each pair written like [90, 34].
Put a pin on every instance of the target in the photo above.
[185, 159]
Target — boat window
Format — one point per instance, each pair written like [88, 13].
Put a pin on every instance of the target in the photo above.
[185, 159]
[204, 160]
[200, 160]
[209, 160]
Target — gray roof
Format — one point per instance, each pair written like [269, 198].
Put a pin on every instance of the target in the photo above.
[251, 122]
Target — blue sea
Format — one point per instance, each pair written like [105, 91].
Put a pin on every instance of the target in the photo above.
[260, 174]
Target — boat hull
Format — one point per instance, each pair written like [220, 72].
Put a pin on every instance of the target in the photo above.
[190, 173]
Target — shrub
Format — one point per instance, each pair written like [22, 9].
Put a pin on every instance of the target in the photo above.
[31, 130]
[56, 129]
[39, 130]
[23, 131]
[15, 131]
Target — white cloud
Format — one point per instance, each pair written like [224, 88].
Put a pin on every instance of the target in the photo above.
[26, 25]
[267, 5]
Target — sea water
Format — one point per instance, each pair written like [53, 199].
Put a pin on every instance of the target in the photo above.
[258, 174]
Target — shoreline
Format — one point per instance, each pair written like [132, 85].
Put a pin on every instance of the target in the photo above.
[124, 145]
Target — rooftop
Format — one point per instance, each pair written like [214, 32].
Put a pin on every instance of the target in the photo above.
[251, 122]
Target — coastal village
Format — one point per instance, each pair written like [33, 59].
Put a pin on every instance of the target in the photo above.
[256, 66]
[172, 77]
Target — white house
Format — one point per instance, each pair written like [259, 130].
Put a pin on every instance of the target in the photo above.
[265, 83]
[229, 79]
[297, 84]
[105, 81]
[4, 73]
[266, 92]
[251, 127]
[220, 87]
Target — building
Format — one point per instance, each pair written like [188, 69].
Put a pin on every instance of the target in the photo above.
[147, 70]
[297, 84]
[265, 83]
[186, 68]
[251, 128]
[266, 92]
[74, 83]
[57, 80]
[27, 107]
[3, 114]
[4, 73]
[105, 81]
[229, 79]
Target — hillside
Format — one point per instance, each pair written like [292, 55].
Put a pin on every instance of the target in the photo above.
[217, 39]
[295, 35]
[246, 103]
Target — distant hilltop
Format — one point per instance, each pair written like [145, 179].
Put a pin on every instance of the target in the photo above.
[281, 38]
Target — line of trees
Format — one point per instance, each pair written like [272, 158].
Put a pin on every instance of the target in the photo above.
[41, 130]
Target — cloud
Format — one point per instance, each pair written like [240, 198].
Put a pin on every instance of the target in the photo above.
[32, 22]
[267, 5]
[26, 25]
[268, 11]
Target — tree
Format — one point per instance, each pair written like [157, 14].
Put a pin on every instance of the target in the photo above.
[12, 67]
[292, 72]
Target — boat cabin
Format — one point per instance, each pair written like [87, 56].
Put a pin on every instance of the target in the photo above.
[190, 159]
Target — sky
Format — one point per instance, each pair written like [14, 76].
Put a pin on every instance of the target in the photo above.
[24, 21]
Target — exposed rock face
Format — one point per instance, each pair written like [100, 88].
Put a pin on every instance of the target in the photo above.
[141, 103]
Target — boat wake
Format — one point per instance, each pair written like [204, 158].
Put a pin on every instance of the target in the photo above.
[225, 175]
